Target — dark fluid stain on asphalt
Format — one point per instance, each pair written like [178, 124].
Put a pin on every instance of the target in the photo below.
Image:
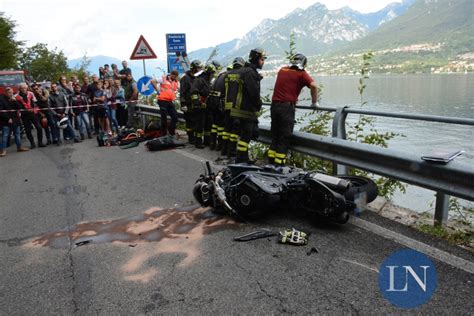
[155, 225]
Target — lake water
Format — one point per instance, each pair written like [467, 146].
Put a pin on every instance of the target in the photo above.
[444, 95]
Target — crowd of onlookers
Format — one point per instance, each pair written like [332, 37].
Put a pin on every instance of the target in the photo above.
[220, 106]
[67, 110]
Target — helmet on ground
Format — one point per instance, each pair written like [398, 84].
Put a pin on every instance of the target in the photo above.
[62, 124]
[44, 122]
[196, 64]
[255, 55]
[298, 60]
[238, 62]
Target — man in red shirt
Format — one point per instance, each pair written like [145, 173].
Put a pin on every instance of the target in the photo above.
[290, 80]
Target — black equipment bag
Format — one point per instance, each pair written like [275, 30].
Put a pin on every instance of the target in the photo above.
[162, 143]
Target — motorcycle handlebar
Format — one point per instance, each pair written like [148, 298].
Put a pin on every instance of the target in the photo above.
[208, 166]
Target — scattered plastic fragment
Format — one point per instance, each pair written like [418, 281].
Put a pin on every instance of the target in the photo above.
[261, 233]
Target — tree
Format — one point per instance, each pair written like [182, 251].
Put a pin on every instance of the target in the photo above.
[9, 47]
[289, 54]
[42, 63]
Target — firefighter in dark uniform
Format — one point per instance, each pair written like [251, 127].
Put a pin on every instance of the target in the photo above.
[227, 148]
[185, 97]
[199, 93]
[212, 113]
[243, 91]
[215, 104]
[289, 82]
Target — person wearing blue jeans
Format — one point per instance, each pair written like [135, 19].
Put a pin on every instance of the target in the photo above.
[111, 106]
[112, 111]
[80, 106]
[6, 135]
[9, 121]
[84, 124]
[119, 93]
[59, 107]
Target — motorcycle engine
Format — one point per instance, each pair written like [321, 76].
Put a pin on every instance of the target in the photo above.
[251, 193]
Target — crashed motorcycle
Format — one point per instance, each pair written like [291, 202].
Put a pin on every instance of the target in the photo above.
[247, 190]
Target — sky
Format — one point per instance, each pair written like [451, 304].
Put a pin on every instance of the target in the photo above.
[112, 28]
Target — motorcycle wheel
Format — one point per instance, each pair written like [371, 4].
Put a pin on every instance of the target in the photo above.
[358, 185]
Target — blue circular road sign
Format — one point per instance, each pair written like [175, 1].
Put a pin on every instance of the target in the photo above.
[144, 85]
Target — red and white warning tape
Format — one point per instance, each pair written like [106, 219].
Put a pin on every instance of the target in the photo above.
[37, 109]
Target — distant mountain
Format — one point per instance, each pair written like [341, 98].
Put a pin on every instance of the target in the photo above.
[450, 22]
[413, 30]
[317, 30]
[204, 53]
[375, 19]
[136, 65]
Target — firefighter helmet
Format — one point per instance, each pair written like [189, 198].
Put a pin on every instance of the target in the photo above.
[298, 60]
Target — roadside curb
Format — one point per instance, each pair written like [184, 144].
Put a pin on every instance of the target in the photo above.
[413, 219]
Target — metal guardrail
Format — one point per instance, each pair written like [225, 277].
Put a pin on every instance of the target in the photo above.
[339, 131]
[455, 178]
[407, 116]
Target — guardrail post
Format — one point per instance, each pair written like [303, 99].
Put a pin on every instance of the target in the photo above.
[143, 121]
[339, 131]
[441, 209]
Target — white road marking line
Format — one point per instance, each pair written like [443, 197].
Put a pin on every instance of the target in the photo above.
[436, 253]
[195, 157]
[360, 264]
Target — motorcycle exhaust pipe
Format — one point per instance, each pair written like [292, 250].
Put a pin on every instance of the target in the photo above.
[333, 182]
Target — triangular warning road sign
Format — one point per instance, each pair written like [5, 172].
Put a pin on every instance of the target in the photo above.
[142, 50]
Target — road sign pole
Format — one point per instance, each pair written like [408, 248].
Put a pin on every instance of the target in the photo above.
[144, 68]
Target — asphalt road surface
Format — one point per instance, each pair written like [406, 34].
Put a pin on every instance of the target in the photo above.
[91, 230]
